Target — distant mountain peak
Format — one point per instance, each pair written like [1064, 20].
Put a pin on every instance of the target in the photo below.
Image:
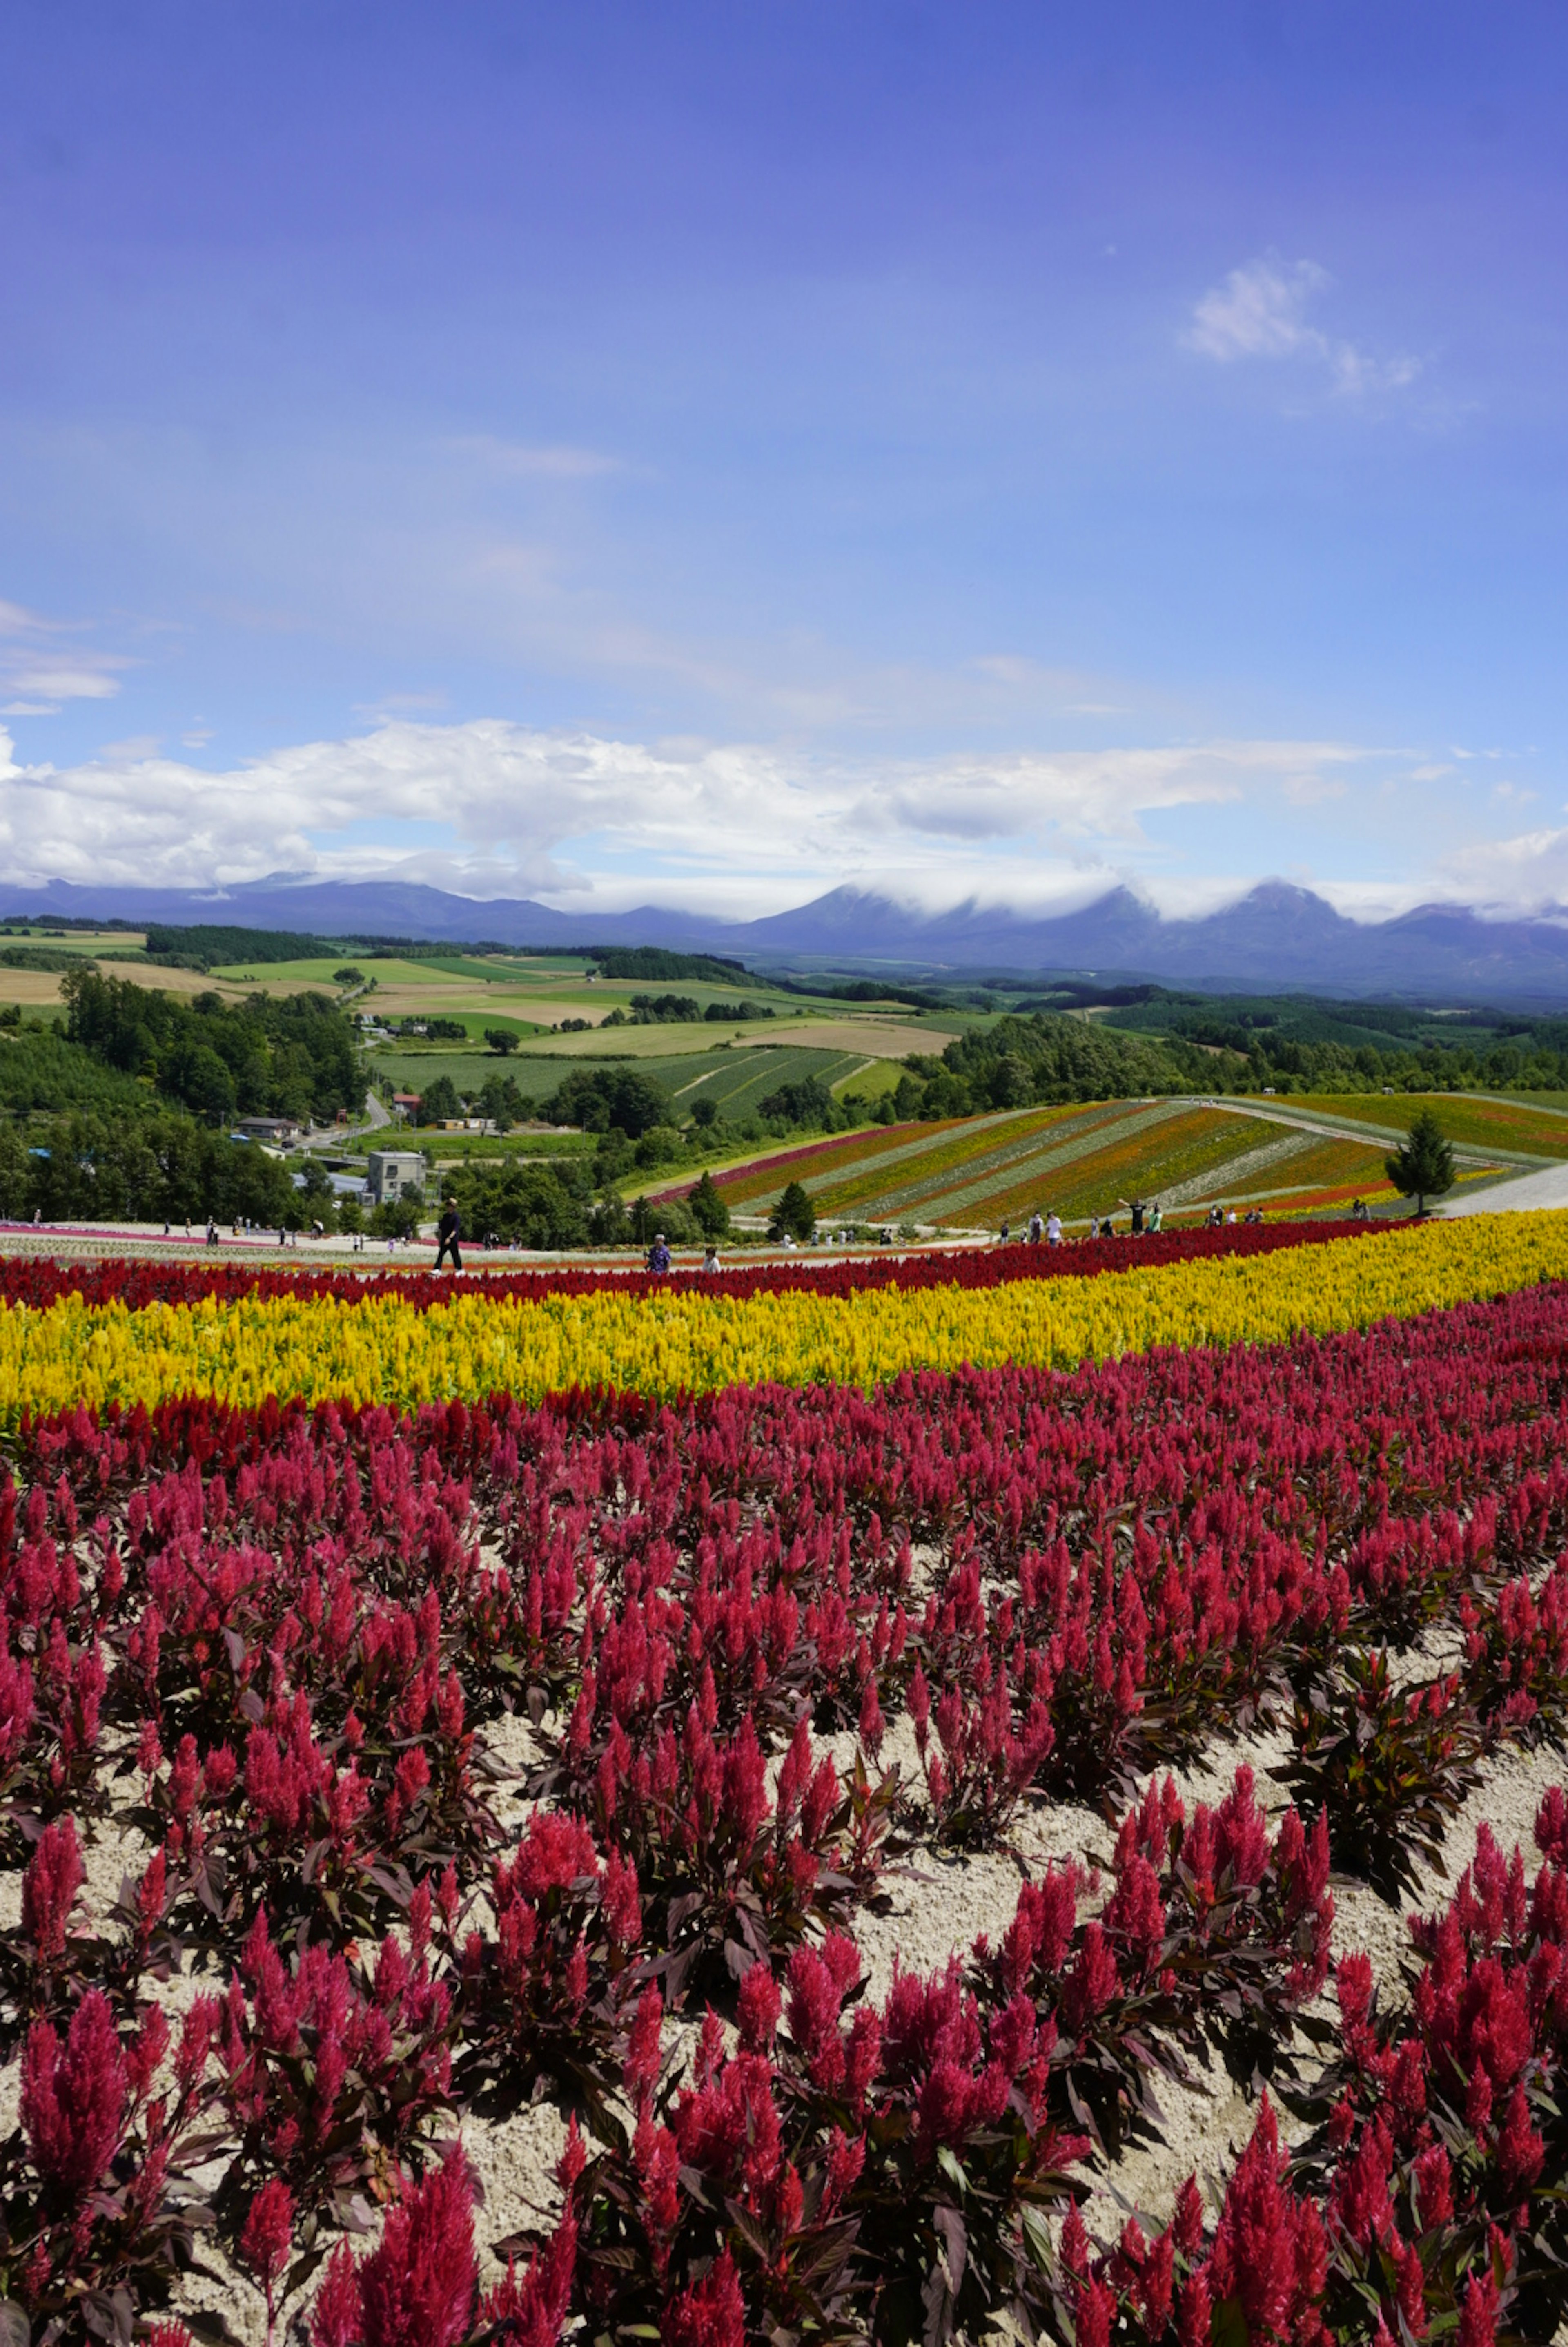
[1279, 935]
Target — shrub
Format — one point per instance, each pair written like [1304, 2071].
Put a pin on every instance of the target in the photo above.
[1388, 1770]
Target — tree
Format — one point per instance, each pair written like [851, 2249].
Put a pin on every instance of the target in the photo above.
[439, 1101]
[794, 1215]
[501, 1039]
[808, 1102]
[349, 976]
[500, 1103]
[1423, 1168]
[709, 1210]
[599, 1098]
[205, 1084]
[704, 1113]
[396, 1218]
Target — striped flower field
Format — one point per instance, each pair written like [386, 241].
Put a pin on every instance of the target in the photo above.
[978, 1172]
[1018, 1798]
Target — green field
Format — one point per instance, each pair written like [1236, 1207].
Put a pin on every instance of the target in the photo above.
[1470, 1121]
[741, 1077]
[737, 1078]
[317, 971]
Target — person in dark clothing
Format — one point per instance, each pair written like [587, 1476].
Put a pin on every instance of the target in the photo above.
[659, 1255]
[448, 1232]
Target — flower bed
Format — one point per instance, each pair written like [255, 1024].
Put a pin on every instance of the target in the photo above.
[691, 1340]
[39, 1282]
[776, 1644]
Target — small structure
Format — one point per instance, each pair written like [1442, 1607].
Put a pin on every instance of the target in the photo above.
[279, 1130]
[393, 1173]
[406, 1103]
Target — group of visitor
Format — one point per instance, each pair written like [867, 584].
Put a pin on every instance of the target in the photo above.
[1143, 1218]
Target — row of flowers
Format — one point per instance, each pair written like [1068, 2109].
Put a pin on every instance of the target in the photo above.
[941, 1184]
[1198, 1142]
[383, 1348]
[38, 1282]
[841, 1151]
[967, 1155]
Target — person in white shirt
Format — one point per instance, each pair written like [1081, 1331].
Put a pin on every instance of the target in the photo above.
[1053, 1229]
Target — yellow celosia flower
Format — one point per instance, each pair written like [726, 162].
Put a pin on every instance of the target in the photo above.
[682, 1341]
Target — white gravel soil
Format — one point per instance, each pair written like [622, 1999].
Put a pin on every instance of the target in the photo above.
[935, 1906]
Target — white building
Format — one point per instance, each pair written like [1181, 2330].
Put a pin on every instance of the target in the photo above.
[393, 1173]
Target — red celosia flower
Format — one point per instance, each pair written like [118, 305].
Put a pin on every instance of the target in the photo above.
[268, 2233]
[758, 2009]
[1520, 2149]
[1478, 2314]
[1187, 2223]
[337, 2319]
[417, 2288]
[712, 2314]
[49, 1887]
[74, 2098]
[641, 2069]
[1094, 2311]
[1269, 2247]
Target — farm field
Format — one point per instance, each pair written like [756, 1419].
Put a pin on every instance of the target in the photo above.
[40, 988]
[1472, 1123]
[825, 1793]
[499, 991]
[977, 1172]
[737, 1078]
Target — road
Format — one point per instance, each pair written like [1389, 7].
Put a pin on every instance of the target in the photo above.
[1530, 1192]
[332, 1136]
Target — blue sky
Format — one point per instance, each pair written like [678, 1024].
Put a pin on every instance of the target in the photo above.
[707, 452]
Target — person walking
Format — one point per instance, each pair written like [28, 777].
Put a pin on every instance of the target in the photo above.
[1053, 1229]
[659, 1255]
[1035, 1227]
[448, 1238]
[711, 1260]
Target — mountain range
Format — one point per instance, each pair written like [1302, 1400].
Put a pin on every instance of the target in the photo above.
[1276, 935]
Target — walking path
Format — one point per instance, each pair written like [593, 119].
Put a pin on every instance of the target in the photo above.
[1520, 1196]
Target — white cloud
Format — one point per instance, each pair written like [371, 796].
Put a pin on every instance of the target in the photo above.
[490, 808]
[1527, 872]
[552, 461]
[43, 666]
[1260, 312]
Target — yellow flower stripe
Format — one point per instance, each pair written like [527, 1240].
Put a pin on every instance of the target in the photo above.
[383, 1350]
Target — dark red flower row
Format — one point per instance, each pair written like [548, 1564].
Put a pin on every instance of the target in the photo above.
[39, 1281]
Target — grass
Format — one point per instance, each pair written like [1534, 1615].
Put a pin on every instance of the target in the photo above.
[413, 1067]
[88, 942]
[317, 971]
[871, 1081]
